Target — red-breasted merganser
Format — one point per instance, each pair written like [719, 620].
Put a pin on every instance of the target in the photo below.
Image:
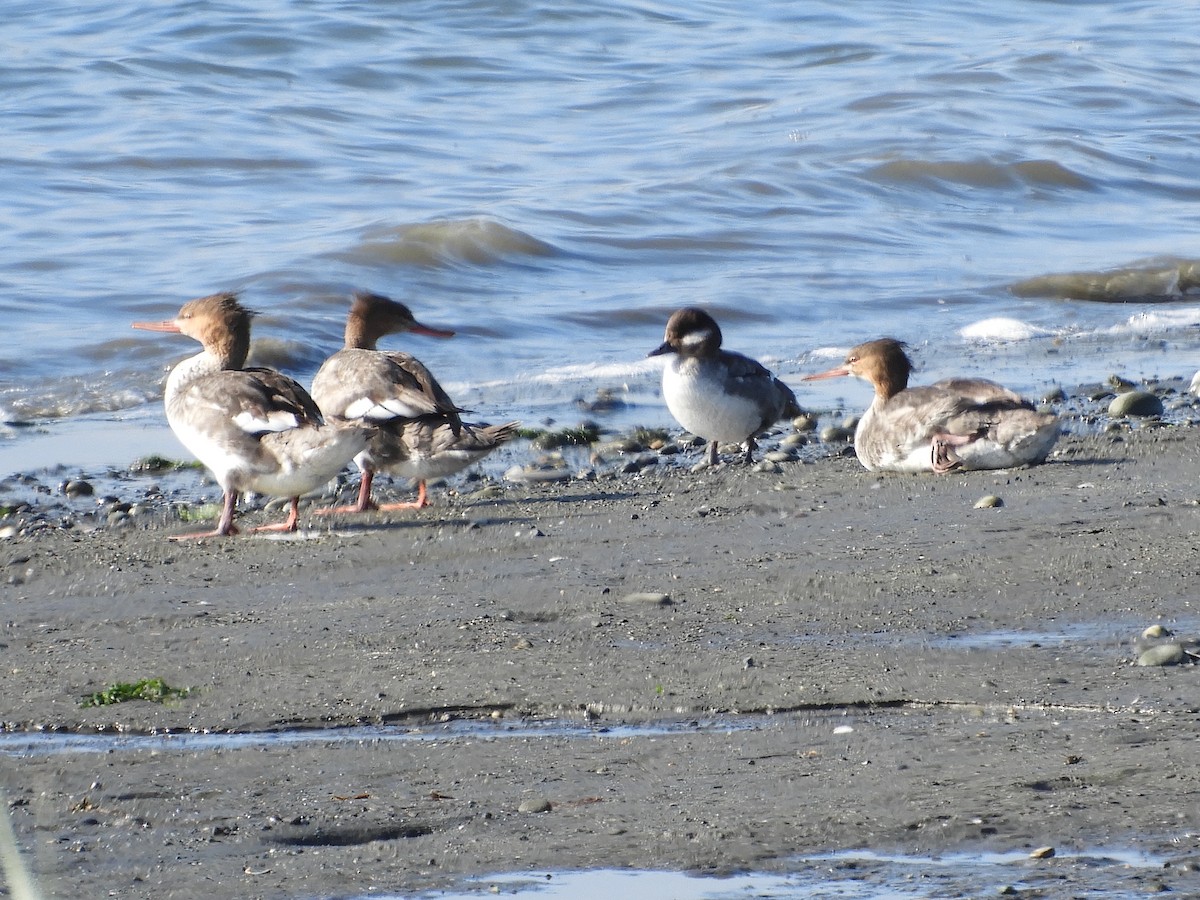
[256, 429]
[420, 433]
[718, 394]
[968, 423]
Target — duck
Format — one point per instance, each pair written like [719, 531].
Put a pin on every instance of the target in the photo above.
[254, 428]
[958, 423]
[717, 394]
[420, 434]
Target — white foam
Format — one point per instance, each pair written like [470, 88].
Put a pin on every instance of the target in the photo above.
[1001, 328]
[1159, 320]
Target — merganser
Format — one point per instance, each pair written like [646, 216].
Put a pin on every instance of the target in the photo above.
[420, 433]
[256, 429]
[968, 423]
[718, 394]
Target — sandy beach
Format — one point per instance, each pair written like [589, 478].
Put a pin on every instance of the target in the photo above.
[714, 672]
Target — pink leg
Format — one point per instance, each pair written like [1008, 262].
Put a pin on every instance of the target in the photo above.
[942, 455]
[364, 503]
[225, 526]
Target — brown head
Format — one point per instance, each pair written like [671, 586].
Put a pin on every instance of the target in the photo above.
[373, 315]
[690, 332]
[218, 321]
[882, 362]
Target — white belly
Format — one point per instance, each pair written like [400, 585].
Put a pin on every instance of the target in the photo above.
[702, 405]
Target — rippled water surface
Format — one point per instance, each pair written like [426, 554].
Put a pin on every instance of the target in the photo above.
[1009, 187]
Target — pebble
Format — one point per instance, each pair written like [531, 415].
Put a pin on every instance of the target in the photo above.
[1194, 387]
[795, 439]
[643, 461]
[833, 433]
[807, 423]
[1042, 853]
[779, 456]
[536, 475]
[78, 488]
[534, 805]
[650, 598]
[1136, 403]
[991, 501]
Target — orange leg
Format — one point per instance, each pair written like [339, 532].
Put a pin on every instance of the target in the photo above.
[290, 524]
[421, 502]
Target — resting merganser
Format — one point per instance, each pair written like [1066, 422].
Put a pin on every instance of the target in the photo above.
[256, 429]
[718, 394]
[968, 423]
[420, 434]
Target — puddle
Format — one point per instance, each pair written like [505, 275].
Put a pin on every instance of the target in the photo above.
[1082, 634]
[1111, 873]
[49, 743]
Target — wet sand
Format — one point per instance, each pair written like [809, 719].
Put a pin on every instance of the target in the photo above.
[845, 660]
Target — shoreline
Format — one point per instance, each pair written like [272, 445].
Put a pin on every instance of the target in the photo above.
[981, 658]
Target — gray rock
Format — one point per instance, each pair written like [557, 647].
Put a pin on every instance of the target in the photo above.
[649, 598]
[1169, 654]
[1136, 403]
[535, 805]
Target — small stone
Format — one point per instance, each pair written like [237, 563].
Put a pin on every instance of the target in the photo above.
[832, 434]
[649, 598]
[1042, 853]
[806, 423]
[1162, 655]
[795, 439]
[1054, 395]
[639, 463]
[1194, 387]
[534, 805]
[1136, 403]
[536, 475]
[991, 501]
[779, 456]
[78, 488]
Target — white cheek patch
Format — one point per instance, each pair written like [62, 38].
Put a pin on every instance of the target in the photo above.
[696, 338]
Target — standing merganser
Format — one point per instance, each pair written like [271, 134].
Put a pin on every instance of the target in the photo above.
[968, 423]
[420, 434]
[718, 394]
[256, 429]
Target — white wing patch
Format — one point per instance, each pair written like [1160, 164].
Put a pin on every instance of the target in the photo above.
[391, 408]
[276, 420]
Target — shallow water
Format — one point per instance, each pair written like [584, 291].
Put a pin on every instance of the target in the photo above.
[551, 181]
[1107, 872]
